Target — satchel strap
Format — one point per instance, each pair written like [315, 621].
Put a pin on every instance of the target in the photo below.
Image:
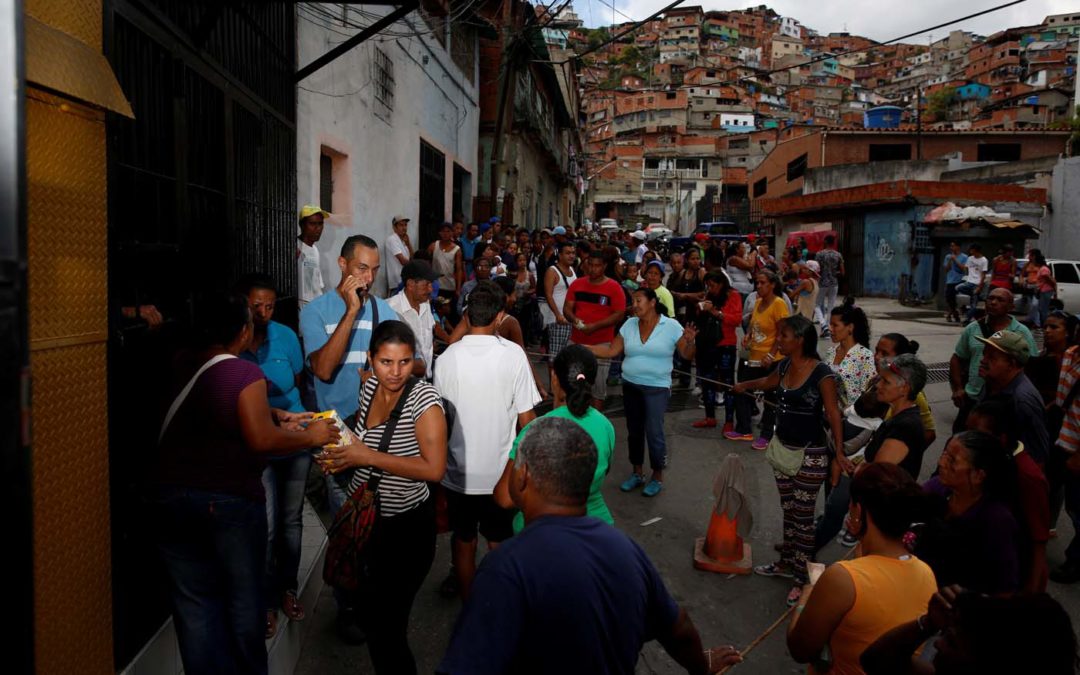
[388, 430]
[182, 396]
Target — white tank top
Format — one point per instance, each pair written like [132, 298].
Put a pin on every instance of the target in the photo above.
[740, 279]
[443, 264]
[558, 293]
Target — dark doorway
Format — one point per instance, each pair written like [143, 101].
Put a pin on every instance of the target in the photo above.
[462, 193]
[202, 189]
[432, 192]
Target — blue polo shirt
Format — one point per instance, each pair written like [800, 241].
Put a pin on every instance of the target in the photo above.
[318, 320]
[954, 275]
[281, 361]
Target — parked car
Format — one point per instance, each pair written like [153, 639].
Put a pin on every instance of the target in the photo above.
[608, 225]
[717, 231]
[1067, 274]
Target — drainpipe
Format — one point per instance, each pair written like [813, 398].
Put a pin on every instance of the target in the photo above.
[824, 136]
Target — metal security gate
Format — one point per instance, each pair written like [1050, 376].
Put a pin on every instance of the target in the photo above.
[202, 189]
[432, 192]
[850, 235]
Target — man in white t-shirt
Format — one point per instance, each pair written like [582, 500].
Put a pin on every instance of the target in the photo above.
[487, 386]
[307, 256]
[643, 248]
[398, 252]
[974, 278]
[413, 306]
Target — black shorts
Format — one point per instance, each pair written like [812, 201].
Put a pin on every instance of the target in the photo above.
[471, 513]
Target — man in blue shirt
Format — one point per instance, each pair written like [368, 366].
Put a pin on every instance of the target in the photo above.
[336, 328]
[550, 600]
[337, 325]
[954, 275]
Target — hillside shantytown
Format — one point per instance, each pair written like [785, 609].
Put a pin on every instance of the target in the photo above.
[492, 336]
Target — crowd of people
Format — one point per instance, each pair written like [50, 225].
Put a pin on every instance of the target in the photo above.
[421, 408]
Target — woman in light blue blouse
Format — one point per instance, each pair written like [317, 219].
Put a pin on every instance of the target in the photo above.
[648, 341]
[276, 350]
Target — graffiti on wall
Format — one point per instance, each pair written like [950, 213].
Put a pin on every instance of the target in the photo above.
[885, 252]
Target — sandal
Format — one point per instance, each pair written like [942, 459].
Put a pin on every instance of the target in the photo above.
[271, 623]
[794, 595]
[293, 608]
[775, 569]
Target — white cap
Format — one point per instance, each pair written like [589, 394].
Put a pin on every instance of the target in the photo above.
[638, 234]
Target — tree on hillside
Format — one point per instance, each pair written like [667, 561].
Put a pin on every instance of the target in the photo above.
[939, 102]
[596, 36]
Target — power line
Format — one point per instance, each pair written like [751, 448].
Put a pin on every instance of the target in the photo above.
[631, 29]
[825, 57]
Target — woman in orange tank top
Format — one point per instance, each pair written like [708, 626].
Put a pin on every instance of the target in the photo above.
[855, 602]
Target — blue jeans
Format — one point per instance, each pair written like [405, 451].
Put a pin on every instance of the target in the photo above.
[214, 548]
[836, 509]
[284, 481]
[967, 288]
[718, 363]
[826, 299]
[645, 409]
[1044, 308]
[744, 404]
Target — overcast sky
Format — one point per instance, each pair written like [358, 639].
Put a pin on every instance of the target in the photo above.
[877, 20]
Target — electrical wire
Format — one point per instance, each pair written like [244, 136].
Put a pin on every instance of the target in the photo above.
[627, 31]
[825, 57]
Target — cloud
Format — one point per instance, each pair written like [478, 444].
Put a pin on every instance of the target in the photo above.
[879, 21]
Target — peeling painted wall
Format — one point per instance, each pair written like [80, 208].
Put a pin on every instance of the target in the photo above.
[433, 101]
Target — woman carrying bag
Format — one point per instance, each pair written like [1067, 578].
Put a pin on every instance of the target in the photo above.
[400, 447]
[806, 394]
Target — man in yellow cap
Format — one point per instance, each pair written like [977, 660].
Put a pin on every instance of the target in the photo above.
[307, 256]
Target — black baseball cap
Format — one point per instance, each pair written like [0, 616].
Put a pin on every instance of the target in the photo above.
[418, 269]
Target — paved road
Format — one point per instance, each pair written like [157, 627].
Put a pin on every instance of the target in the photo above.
[726, 610]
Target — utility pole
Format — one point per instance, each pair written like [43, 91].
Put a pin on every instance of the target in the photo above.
[918, 121]
[506, 93]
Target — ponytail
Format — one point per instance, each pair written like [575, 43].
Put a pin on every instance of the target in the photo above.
[575, 368]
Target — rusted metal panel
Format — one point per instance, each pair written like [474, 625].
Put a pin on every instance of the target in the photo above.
[80, 19]
[68, 320]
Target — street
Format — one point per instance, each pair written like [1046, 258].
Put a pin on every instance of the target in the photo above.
[726, 610]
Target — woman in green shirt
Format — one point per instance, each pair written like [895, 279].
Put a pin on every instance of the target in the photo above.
[575, 371]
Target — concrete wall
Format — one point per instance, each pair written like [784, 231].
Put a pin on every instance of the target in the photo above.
[378, 172]
[854, 175]
[1061, 233]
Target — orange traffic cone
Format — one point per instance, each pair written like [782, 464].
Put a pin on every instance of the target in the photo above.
[723, 548]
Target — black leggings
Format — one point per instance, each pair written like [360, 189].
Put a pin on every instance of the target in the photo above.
[400, 552]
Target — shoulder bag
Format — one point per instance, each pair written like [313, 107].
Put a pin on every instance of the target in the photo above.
[355, 519]
[182, 396]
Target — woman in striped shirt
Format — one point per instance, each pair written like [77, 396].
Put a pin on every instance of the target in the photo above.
[402, 542]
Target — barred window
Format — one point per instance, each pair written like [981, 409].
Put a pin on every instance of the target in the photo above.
[384, 80]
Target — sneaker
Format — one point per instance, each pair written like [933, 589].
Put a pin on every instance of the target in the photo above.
[775, 569]
[653, 488]
[348, 628]
[736, 436]
[1068, 573]
[847, 540]
[635, 481]
[794, 595]
[760, 443]
[707, 423]
[449, 587]
[1053, 533]
[728, 427]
